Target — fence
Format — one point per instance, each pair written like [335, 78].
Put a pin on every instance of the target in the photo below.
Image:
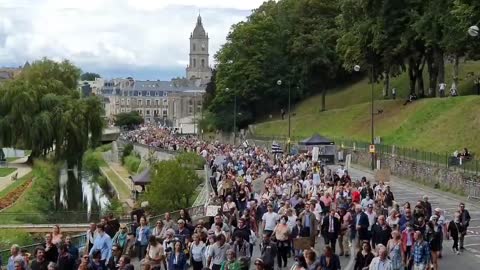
[446, 160]
[56, 217]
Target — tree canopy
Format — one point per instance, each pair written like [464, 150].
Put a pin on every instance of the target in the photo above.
[89, 76]
[172, 186]
[128, 119]
[313, 45]
[41, 110]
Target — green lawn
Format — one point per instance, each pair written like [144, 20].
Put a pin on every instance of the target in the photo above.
[360, 92]
[6, 171]
[15, 184]
[119, 184]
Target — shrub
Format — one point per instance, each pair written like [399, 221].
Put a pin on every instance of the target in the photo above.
[127, 150]
[92, 161]
[132, 162]
[192, 160]
[9, 237]
[104, 148]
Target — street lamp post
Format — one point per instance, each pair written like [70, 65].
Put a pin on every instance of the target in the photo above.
[234, 115]
[372, 141]
[279, 83]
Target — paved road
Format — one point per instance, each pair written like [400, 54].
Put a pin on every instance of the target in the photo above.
[405, 190]
[22, 170]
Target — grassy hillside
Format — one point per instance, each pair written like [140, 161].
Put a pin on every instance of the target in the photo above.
[432, 124]
[437, 125]
[360, 92]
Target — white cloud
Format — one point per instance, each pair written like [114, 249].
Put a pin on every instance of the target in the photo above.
[112, 34]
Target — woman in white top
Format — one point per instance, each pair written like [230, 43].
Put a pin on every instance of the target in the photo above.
[197, 251]
[159, 230]
[393, 219]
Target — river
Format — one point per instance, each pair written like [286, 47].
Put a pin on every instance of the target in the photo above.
[80, 198]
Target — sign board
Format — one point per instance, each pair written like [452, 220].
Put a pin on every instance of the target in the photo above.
[212, 210]
[315, 152]
[372, 148]
[303, 243]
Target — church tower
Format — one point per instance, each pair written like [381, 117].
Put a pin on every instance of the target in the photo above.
[199, 68]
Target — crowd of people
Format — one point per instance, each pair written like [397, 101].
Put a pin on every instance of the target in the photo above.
[288, 206]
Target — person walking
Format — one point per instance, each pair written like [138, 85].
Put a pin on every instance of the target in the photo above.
[218, 253]
[177, 259]
[455, 229]
[282, 236]
[142, 235]
[329, 260]
[91, 235]
[395, 252]
[197, 250]
[268, 250]
[102, 243]
[465, 221]
[331, 229]
[364, 257]
[420, 253]
[381, 261]
[361, 225]
[381, 232]
[346, 222]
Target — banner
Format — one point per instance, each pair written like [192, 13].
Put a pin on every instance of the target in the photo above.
[315, 151]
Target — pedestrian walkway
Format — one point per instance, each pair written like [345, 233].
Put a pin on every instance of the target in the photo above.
[405, 190]
[22, 169]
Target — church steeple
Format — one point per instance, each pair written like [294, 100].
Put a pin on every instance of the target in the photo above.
[199, 31]
[199, 67]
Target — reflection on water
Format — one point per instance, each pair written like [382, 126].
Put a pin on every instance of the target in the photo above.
[79, 193]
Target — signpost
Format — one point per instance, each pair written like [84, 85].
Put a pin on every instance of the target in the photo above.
[372, 148]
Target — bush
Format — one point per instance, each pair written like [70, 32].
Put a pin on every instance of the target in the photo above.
[191, 160]
[92, 161]
[127, 150]
[9, 237]
[132, 162]
[104, 148]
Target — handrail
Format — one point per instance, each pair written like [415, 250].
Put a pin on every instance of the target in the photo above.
[80, 240]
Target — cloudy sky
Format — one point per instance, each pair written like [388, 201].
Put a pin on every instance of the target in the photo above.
[146, 39]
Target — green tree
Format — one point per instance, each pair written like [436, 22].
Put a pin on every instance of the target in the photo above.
[41, 109]
[128, 119]
[172, 186]
[89, 76]
[191, 160]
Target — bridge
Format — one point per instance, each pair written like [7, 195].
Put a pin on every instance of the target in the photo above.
[110, 134]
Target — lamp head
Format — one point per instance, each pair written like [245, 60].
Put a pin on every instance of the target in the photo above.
[356, 68]
[279, 82]
[473, 31]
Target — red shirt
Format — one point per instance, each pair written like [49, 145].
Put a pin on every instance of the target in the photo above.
[356, 196]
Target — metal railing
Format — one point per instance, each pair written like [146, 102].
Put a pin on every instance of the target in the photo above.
[80, 240]
[447, 160]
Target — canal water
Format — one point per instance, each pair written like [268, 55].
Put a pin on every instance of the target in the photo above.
[80, 197]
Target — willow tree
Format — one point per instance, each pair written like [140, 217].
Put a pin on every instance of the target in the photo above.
[42, 110]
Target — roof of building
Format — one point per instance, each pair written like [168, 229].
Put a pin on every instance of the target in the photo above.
[199, 31]
[171, 86]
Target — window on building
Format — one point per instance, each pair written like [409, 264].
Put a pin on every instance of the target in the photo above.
[203, 63]
[144, 93]
[165, 94]
[148, 93]
[194, 62]
[190, 102]
[128, 102]
[190, 110]
[122, 102]
[139, 102]
[123, 110]
[135, 93]
[157, 102]
[155, 113]
[164, 113]
[165, 101]
[194, 47]
[148, 102]
[148, 112]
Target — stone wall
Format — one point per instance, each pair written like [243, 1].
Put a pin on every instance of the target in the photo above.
[451, 178]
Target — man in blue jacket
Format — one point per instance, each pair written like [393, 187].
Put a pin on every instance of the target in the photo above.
[361, 225]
